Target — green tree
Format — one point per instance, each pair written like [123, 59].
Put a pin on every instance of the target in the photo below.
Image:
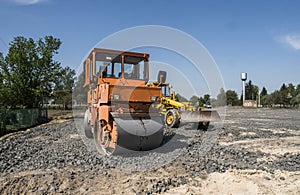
[221, 98]
[276, 96]
[232, 98]
[180, 98]
[64, 86]
[195, 100]
[291, 93]
[283, 96]
[80, 92]
[251, 91]
[291, 90]
[201, 102]
[2, 87]
[206, 98]
[263, 92]
[297, 91]
[29, 71]
[213, 102]
[295, 101]
[267, 100]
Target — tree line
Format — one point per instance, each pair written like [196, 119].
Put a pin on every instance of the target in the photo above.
[288, 95]
[29, 74]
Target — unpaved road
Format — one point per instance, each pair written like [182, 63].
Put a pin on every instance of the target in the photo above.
[256, 152]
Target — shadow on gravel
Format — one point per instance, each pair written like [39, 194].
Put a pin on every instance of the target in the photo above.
[170, 144]
[167, 138]
[192, 127]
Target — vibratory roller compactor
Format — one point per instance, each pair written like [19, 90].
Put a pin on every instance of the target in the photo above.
[121, 111]
[125, 112]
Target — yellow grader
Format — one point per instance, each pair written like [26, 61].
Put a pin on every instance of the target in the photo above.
[175, 112]
[123, 110]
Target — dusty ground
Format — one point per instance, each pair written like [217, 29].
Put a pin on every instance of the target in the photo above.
[256, 152]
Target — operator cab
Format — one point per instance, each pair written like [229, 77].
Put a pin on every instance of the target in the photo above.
[111, 64]
[165, 90]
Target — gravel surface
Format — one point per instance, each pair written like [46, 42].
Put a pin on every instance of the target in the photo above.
[54, 158]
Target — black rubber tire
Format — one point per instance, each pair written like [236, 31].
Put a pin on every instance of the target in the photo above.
[175, 122]
[97, 134]
[87, 127]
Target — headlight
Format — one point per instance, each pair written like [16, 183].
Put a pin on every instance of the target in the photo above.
[116, 97]
[154, 98]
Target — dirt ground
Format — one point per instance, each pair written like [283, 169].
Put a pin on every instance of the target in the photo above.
[258, 152]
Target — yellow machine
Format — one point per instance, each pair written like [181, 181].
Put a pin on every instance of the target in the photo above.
[176, 112]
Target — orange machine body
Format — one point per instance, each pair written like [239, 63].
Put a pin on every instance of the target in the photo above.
[117, 84]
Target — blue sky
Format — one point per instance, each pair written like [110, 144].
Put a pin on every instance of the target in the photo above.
[261, 38]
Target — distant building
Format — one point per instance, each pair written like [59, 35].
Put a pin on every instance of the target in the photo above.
[250, 103]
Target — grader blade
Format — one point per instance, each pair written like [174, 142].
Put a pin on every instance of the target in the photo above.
[199, 116]
[139, 133]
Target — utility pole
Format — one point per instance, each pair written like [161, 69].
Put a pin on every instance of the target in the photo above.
[258, 99]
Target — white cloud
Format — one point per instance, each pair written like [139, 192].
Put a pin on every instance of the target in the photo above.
[28, 2]
[293, 40]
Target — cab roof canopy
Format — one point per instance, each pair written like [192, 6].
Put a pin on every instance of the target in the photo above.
[108, 55]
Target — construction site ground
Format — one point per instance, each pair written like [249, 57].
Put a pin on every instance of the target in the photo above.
[256, 151]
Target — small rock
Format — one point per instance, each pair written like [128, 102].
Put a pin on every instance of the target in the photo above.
[281, 178]
[267, 178]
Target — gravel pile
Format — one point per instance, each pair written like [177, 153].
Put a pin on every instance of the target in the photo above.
[223, 158]
[45, 147]
[60, 147]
